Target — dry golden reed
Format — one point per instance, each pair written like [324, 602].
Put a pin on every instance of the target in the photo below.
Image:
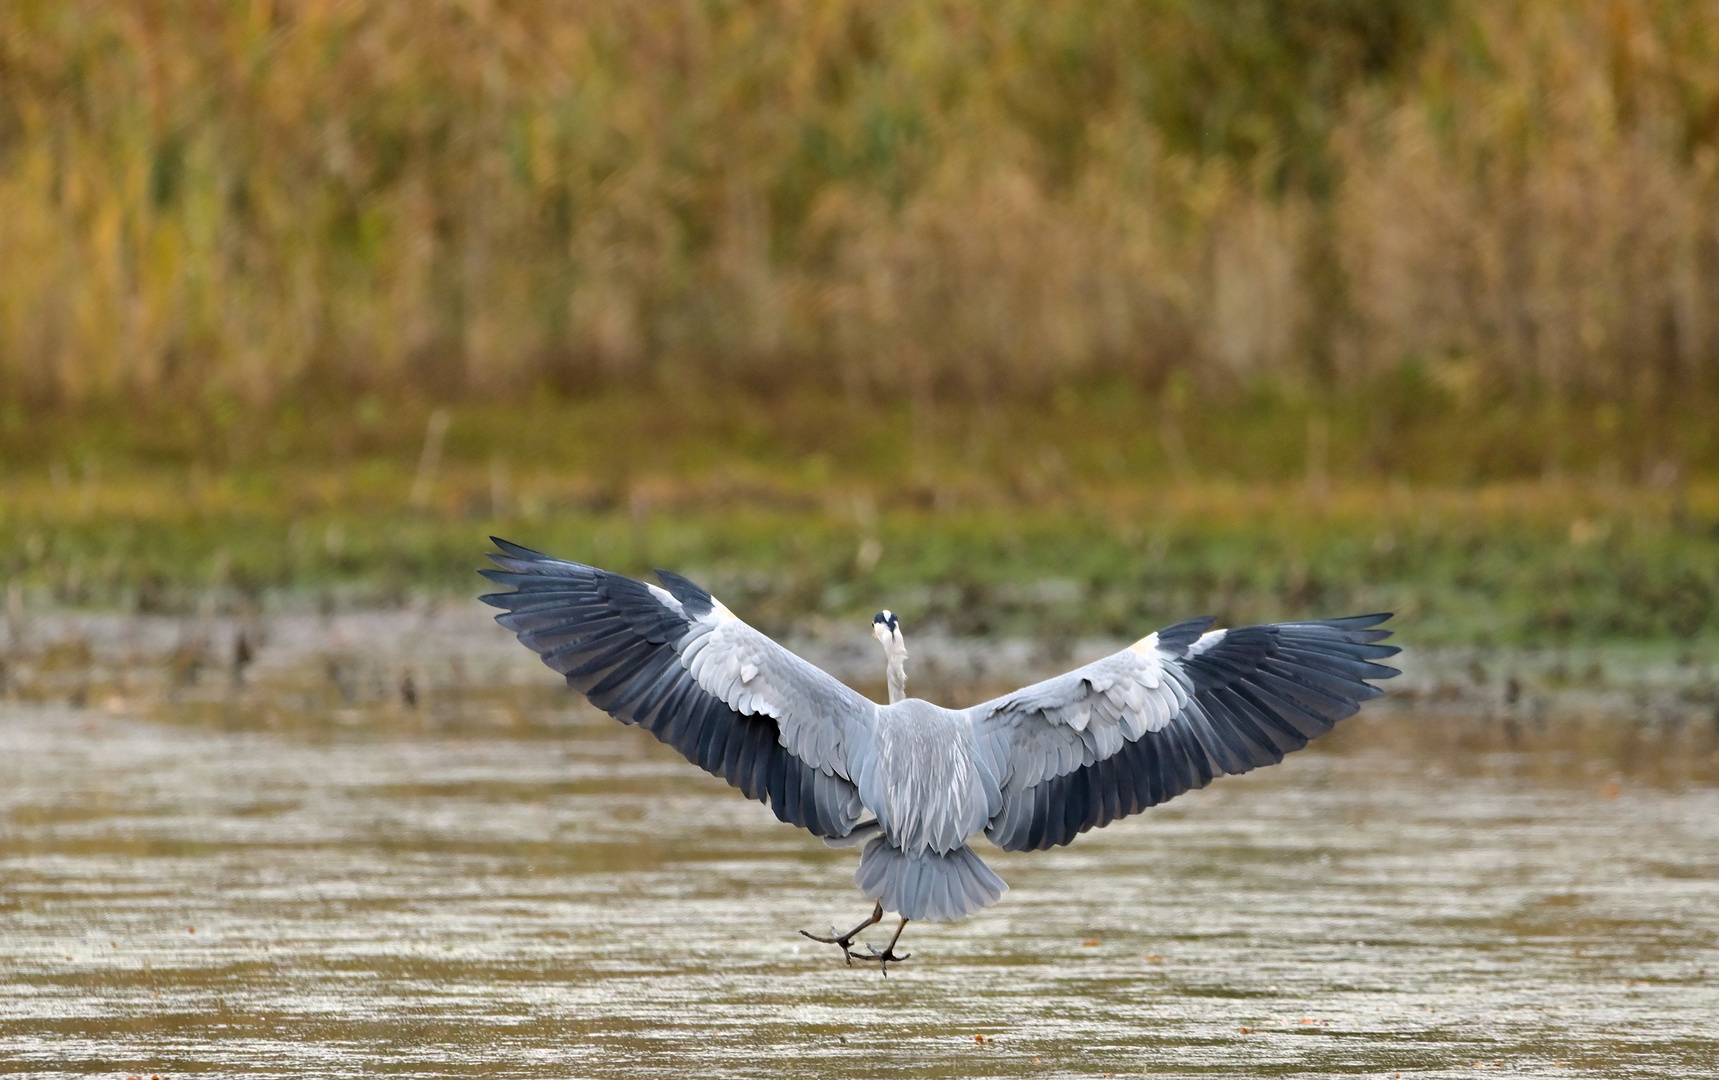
[205, 200]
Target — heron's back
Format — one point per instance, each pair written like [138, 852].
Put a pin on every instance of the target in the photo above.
[926, 781]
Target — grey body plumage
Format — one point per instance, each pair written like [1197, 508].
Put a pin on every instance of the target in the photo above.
[1029, 770]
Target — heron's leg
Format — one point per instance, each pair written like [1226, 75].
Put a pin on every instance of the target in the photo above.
[846, 941]
[888, 954]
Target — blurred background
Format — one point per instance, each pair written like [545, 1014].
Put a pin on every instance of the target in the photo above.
[1169, 305]
[1043, 323]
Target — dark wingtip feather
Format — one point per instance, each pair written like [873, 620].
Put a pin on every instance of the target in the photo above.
[692, 596]
[518, 551]
[1178, 636]
[1358, 622]
[1353, 631]
[524, 561]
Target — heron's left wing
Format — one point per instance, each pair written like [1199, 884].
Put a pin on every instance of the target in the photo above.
[1165, 715]
[678, 663]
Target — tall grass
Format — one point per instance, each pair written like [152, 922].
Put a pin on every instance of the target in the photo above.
[1492, 211]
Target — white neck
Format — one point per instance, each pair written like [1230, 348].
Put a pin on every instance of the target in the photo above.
[895, 652]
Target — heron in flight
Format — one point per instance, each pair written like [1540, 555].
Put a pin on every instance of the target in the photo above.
[1030, 770]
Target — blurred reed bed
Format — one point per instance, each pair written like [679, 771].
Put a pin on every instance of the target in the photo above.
[1435, 216]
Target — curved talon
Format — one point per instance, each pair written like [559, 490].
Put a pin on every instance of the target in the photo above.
[845, 942]
[885, 958]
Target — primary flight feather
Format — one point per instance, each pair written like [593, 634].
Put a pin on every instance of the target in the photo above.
[1030, 770]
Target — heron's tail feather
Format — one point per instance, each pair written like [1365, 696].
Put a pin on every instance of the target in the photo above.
[926, 885]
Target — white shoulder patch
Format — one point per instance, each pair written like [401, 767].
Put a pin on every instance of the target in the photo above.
[666, 599]
[1146, 646]
[1207, 640]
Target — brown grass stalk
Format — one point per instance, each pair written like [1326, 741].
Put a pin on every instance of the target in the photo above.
[214, 203]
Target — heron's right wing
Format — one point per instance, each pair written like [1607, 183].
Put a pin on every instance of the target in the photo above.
[678, 663]
[1166, 715]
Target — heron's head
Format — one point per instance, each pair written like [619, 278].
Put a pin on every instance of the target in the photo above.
[886, 629]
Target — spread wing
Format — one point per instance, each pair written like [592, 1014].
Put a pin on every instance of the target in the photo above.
[1166, 715]
[678, 663]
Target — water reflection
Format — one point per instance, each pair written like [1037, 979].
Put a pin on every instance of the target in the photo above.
[289, 880]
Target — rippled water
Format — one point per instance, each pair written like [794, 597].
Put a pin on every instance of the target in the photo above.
[208, 890]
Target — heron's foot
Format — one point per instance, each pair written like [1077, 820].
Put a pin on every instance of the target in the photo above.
[885, 958]
[888, 954]
[845, 942]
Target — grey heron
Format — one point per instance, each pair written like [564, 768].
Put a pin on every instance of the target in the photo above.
[1030, 770]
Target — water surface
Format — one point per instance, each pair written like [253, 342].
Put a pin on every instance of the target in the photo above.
[518, 886]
